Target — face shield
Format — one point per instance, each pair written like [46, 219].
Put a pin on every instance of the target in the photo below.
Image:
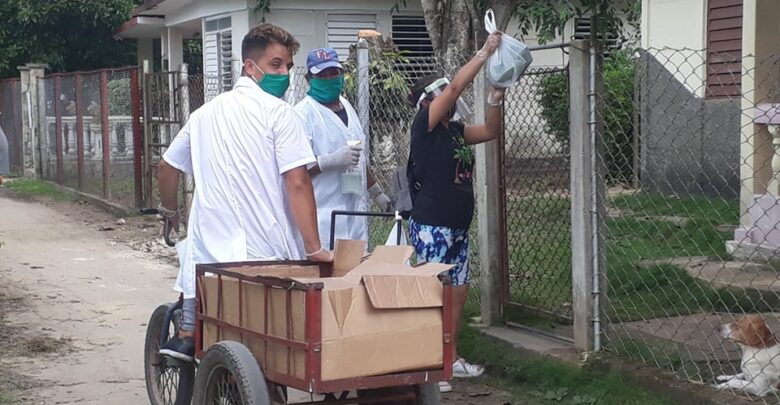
[462, 110]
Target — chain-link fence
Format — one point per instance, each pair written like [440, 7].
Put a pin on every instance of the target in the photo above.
[686, 202]
[11, 122]
[691, 224]
[536, 189]
[89, 128]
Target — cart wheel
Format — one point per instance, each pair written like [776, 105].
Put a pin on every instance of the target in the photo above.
[230, 375]
[426, 394]
[168, 381]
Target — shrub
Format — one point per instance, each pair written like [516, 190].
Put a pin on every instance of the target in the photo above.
[618, 115]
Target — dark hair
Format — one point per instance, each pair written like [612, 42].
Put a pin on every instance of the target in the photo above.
[419, 88]
[258, 38]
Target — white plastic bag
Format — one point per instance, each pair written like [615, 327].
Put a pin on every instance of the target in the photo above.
[392, 239]
[509, 61]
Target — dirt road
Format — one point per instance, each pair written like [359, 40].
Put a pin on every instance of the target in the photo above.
[82, 305]
[76, 289]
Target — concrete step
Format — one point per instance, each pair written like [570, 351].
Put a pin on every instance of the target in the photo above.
[726, 274]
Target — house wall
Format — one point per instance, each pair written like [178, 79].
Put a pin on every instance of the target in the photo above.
[678, 25]
[690, 145]
[310, 27]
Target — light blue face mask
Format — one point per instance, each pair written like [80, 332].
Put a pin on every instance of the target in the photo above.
[273, 84]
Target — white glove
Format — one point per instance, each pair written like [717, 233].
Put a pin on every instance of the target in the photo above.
[379, 197]
[344, 157]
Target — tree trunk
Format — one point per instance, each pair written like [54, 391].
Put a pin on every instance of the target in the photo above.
[451, 25]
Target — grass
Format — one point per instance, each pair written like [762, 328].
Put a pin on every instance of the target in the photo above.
[540, 257]
[37, 188]
[547, 381]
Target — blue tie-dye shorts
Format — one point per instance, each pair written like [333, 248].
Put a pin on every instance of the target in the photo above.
[440, 244]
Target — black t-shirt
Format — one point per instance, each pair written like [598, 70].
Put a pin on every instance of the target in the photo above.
[442, 163]
[342, 113]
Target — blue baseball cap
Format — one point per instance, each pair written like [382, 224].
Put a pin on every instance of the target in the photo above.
[321, 59]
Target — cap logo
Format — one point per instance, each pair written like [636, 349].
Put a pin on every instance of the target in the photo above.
[321, 54]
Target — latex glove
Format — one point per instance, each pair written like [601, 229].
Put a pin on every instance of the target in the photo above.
[346, 156]
[491, 44]
[380, 198]
[320, 256]
[495, 96]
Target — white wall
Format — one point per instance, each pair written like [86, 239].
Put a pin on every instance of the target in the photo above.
[309, 26]
[680, 26]
[204, 8]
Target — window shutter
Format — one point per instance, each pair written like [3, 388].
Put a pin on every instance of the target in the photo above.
[724, 48]
[343, 30]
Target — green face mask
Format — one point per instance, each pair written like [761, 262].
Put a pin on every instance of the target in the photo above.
[274, 84]
[326, 90]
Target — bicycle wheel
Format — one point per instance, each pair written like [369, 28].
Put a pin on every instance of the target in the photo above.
[168, 381]
[230, 375]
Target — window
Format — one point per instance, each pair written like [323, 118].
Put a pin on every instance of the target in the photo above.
[411, 36]
[217, 55]
[724, 48]
[582, 31]
[343, 30]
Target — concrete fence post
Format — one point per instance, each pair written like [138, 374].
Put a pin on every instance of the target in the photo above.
[488, 202]
[586, 199]
[31, 132]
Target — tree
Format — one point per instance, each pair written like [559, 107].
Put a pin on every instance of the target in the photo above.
[452, 23]
[68, 35]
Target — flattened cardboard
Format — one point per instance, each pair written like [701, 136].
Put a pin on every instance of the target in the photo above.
[392, 254]
[387, 292]
[347, 256]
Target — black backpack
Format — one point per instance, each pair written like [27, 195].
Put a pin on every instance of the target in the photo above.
[404, 189]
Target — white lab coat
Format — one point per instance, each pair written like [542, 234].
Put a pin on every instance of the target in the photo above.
[327, 133]
[237, 147]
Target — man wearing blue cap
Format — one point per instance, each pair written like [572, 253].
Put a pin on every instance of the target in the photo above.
[340, 176]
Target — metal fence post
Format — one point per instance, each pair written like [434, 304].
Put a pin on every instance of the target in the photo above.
[58, 141]
[582, 190]
[104, 129]
[184, 115]
[363, 89]
[79, 131]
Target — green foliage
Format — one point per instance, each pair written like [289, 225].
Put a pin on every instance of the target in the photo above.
[388, 86]
[548, 17]
[68, 35]
[618, 112]
[263, 7]
[119, 97]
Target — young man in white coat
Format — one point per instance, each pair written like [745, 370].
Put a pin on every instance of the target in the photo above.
[248, 154]
[338, 141]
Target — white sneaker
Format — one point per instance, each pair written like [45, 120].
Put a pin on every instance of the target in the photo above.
[463, 369]
[444, 386]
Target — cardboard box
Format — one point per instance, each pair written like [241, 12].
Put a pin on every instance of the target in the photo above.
[378, 316]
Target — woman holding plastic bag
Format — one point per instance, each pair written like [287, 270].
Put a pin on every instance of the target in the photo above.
[440, 176]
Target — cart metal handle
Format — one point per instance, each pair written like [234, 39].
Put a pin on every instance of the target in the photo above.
[336, 213]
